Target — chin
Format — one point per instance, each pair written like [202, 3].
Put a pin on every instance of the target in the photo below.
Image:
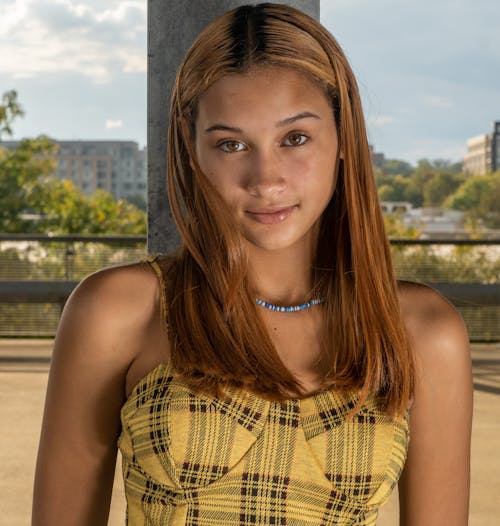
[272, 243]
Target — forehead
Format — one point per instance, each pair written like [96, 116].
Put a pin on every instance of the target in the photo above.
[262, 92]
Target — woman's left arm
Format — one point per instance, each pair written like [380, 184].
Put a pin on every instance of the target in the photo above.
[434, 486]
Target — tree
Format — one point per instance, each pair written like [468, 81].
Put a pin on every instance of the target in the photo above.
[468, 195]
[478, 196]
[397, 167]
[9, 110]
[20, 169]
[394, 189]
[439, 187]
[28, 184]
[446, 180]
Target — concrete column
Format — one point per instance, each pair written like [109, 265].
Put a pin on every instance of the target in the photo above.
[173, 25]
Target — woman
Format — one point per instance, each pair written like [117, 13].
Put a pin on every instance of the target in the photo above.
[273, 370]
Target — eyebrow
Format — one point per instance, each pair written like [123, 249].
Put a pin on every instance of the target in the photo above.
[279, 124]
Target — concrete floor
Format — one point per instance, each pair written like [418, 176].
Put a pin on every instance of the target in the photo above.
[23, 379]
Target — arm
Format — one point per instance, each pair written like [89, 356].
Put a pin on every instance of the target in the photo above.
[104, 324]
[434, 487]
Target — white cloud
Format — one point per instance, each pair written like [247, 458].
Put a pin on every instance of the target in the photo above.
[39, 37]
[439, 101]
[381, 120]
[112, 124]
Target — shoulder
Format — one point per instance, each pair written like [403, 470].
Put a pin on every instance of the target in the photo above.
[113, 307]
[436, 329]
[123, 289]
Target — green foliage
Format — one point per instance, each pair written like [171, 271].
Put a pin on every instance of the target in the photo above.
[32, 199]
[439, 187]
[9, 110]
[479, 197]
[65, 209]
[20, 171]
[393, 189]
[397, 167]
[459, 264]
[429, 184]
[468, 195]
[395, 228]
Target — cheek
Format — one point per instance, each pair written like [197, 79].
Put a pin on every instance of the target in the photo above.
[315, 174]
[225, 181]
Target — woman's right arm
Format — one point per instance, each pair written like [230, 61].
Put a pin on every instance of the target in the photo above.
[105, 324]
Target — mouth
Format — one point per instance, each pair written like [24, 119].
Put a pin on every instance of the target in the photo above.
[270, 216]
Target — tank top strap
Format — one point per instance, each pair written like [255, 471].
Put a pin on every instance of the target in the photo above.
[161, 264]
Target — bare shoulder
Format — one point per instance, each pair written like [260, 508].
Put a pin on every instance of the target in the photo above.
[436, 328]
[126, 289]
[119, 287]
[115, 306]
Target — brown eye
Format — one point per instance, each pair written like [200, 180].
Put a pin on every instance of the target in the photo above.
[231, 146]
[296, 139]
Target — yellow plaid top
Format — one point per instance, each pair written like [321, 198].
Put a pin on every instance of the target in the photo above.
[192, 459]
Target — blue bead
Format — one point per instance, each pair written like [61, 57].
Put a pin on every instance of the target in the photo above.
[291, 308]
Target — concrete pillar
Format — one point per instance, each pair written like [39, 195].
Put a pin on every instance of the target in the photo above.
[173, 25]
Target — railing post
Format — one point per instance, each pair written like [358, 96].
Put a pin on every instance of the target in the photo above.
[69, 261]
[172, 27]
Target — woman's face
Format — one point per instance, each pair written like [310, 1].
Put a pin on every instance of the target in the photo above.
[267, 141]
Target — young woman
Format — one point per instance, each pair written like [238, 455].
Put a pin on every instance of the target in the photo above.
[272, 371]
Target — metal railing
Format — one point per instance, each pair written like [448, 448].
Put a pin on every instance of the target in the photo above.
[37, 273]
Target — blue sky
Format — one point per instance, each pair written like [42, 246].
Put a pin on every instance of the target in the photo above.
[429, 71]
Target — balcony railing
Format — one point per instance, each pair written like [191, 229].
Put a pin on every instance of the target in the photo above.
[38, 272]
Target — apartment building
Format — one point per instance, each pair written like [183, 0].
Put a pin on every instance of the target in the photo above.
[483, 153]
[118, 167]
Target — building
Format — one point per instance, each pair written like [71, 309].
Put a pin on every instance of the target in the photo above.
[483, 153]
[495, 148]
[378, 158]
[118, 167]
[477, 160]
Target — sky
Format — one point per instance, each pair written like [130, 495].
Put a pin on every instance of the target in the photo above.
[428, 71]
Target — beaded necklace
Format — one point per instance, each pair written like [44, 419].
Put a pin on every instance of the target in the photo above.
[291, 308]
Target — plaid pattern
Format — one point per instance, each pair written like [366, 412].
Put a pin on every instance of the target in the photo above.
[195, 460]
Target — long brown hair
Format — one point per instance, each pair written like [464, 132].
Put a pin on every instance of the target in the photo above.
[217, 336]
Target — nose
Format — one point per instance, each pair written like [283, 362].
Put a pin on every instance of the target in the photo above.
[265, 177]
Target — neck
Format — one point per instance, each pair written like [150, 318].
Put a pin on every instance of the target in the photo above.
[282, 277]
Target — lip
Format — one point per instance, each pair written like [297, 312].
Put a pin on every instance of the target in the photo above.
[270, 216]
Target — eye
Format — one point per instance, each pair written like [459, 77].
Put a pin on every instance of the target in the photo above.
[295, 139]
[231, 146]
